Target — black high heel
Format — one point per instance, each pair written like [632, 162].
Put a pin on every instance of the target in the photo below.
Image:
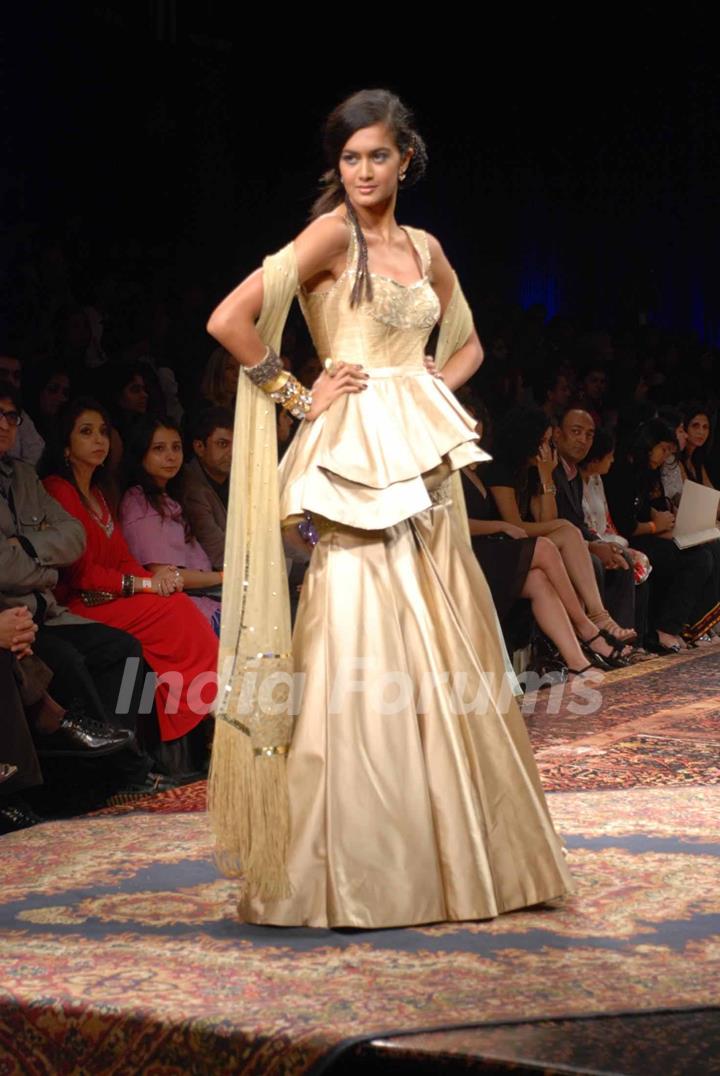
[596, 659]
[606, 662]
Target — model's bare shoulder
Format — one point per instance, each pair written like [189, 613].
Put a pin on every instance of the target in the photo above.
[322, 247]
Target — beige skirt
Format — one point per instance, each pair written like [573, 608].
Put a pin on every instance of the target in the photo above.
[414, 796]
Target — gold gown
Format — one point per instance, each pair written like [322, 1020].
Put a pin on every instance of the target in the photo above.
[414, 796]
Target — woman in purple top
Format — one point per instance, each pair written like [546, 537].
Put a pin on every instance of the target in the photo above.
[152, 520]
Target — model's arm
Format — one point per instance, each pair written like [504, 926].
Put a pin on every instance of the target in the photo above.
[467, 359]
[320, 250]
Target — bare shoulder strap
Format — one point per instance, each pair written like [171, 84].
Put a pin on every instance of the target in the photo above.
[420, 242]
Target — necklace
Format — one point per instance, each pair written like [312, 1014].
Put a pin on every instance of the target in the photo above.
[109, 525]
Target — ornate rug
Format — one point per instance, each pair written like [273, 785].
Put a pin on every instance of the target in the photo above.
[121, 951]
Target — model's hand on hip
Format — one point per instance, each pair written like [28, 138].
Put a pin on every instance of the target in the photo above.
[342, 378]
[432, 368]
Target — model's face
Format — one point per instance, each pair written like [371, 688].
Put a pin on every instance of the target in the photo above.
[8, 429]
[89, 442]
[370, 165]
[698, 431]
[659, 453]
[55, 394]
[10, 370]
[575, 436]
[134, 397]
[215, 454]
[164, 457]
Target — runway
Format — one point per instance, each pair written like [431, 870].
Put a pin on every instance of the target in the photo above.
[121, 952]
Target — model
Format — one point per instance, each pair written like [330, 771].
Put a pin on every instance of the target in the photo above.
[376, 771]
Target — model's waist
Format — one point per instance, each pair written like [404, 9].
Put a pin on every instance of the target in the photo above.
[405, 370]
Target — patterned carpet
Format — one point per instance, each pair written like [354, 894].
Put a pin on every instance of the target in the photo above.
[121, 951]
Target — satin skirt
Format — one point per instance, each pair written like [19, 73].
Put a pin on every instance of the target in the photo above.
[414, 795]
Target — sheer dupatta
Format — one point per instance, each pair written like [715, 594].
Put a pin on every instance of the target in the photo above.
[247, 791]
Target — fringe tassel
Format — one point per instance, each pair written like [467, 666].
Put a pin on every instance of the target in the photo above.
[250, 814]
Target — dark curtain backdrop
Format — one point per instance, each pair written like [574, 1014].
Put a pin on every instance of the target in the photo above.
[572, 164]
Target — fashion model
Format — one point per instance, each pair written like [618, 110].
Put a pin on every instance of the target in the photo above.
[375, 771]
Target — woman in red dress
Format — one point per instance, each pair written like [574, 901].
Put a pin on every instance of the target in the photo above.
[107, 583]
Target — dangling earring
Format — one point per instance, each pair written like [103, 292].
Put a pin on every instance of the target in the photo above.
[402, 175]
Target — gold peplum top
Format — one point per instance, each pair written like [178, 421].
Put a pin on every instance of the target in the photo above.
[370, 460]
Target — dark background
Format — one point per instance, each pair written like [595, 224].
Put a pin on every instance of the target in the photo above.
[573, 150]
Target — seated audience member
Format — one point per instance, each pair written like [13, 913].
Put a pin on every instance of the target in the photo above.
[19, 765]
[131, 392]
[682, 597]
[107, 584]
[517, 566]
[48, 391]
[553, 391]
[33, 724]
[520, 482]
[37, 537]
[597, 463]
[697, 425]
[206, 481]
[220, 380]
[672, 475]
[692, 433]
[28, 444]
[592, 391]
[151, 517]
[573, 436]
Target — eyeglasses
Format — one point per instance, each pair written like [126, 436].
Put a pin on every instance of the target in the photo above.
[13, 418]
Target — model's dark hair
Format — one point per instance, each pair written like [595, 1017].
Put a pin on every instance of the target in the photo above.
[365, 109]
[603, 442]
[693, 462]
[136, 447]
[53, 459]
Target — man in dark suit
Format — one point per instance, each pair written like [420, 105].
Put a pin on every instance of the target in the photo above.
[573, 436]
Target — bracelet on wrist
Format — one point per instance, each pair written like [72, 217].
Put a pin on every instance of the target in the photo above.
[279, 384]
[127, 588]
[146, 583]
[549, 487]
